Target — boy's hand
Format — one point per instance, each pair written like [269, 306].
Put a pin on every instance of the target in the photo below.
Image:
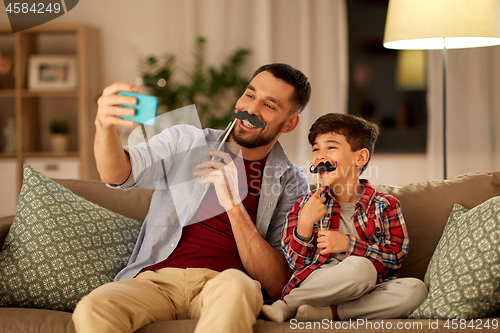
[332, 242]
[313, 211]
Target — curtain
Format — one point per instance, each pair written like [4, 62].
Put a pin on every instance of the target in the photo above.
[473, 111]
[309, 35]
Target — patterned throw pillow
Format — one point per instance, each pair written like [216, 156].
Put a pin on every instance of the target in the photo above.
[60, 246]
[463, 275]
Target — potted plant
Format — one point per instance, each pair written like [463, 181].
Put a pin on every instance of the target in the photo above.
[59, 136]
[213, 90]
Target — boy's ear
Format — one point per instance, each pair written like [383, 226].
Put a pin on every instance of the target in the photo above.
[363, 157]
[291, 123]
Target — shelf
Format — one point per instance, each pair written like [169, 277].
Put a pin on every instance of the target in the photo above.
[8, 155]
[49, 93]
[45, 154]
[7, 93]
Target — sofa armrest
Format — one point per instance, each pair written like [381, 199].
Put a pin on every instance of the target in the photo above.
[5, 223]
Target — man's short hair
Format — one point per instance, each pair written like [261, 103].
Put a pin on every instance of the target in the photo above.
[293, 77]
[359, 133]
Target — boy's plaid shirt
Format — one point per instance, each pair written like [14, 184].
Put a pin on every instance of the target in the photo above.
[380, 226]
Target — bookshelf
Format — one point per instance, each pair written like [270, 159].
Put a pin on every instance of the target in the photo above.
[33, 111]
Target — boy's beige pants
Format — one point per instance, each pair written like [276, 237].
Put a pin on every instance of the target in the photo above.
[351, 285]
[223, 302]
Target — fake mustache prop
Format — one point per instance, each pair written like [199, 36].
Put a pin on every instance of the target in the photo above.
[323, 167]
[320, 168]
[253, 119]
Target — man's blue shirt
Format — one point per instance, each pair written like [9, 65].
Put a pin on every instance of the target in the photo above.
[175, 152]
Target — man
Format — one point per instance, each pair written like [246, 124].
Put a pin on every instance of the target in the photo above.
[214, 267]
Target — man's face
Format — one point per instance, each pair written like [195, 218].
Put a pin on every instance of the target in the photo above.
[268, 98]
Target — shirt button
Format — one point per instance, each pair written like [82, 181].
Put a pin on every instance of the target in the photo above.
[271, 204]
[172, 245]
[377, 229]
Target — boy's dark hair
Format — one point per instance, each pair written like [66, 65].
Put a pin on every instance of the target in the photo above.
[293, 77]
[359, 133]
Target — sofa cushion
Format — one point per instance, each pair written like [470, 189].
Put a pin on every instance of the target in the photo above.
[464, 273]
[60, 246]
[35, 321]
[426, 207]
[132, 203]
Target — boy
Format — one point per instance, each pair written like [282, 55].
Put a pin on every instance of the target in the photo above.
[345, 242]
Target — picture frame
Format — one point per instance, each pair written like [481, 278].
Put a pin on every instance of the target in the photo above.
[52, 72]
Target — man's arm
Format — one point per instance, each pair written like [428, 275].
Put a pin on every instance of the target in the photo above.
[261, 261]
[112, 162]
[258, 255]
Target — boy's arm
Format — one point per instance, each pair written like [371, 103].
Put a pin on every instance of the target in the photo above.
[297, 250]
[388, 256]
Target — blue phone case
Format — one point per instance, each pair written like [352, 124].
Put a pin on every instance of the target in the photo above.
[145, 108]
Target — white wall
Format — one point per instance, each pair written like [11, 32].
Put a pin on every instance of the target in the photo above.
[397, 169]
[134, 29]
[9, 188]
[130, 29]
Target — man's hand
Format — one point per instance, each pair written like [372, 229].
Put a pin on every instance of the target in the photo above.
[224, 176]
[108, 109]
[112, 162]
[313, 211]
[332, 242]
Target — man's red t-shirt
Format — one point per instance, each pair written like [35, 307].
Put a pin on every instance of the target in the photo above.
[208, 241]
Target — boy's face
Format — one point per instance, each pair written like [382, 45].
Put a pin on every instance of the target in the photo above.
[334, 148]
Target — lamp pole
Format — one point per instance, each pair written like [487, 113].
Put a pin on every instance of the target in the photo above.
[445, 63]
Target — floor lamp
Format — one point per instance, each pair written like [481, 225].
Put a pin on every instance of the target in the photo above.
[442, 24]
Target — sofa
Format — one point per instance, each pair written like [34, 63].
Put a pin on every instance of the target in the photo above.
[426, 207]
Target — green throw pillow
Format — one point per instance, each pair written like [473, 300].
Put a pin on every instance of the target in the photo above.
[463, 275]
[60, 246]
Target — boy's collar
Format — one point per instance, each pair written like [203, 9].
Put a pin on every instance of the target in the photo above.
[368, 194]
[364, 201]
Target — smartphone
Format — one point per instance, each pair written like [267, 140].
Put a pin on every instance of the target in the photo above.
[145, 109]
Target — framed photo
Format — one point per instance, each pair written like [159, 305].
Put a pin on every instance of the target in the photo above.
[52, 72]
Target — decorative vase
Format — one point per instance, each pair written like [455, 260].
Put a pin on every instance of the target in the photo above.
[9, 133]
[59, 143]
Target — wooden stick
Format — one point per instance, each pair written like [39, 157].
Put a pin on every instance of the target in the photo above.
[225, 137]
[223, 173]
[318, 189]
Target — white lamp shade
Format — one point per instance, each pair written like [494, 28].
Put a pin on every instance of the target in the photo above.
[435, 24]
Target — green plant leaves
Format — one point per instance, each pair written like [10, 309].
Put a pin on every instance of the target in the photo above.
[214, 91]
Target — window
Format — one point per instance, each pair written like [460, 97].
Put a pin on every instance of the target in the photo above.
[381, 87]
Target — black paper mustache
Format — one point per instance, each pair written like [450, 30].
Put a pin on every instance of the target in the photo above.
[323, 167]
[253, 119]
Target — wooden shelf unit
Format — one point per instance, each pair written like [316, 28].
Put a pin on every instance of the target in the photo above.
[30, 107]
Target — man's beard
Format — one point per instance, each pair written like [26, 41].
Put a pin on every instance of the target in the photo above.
[259, 141]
